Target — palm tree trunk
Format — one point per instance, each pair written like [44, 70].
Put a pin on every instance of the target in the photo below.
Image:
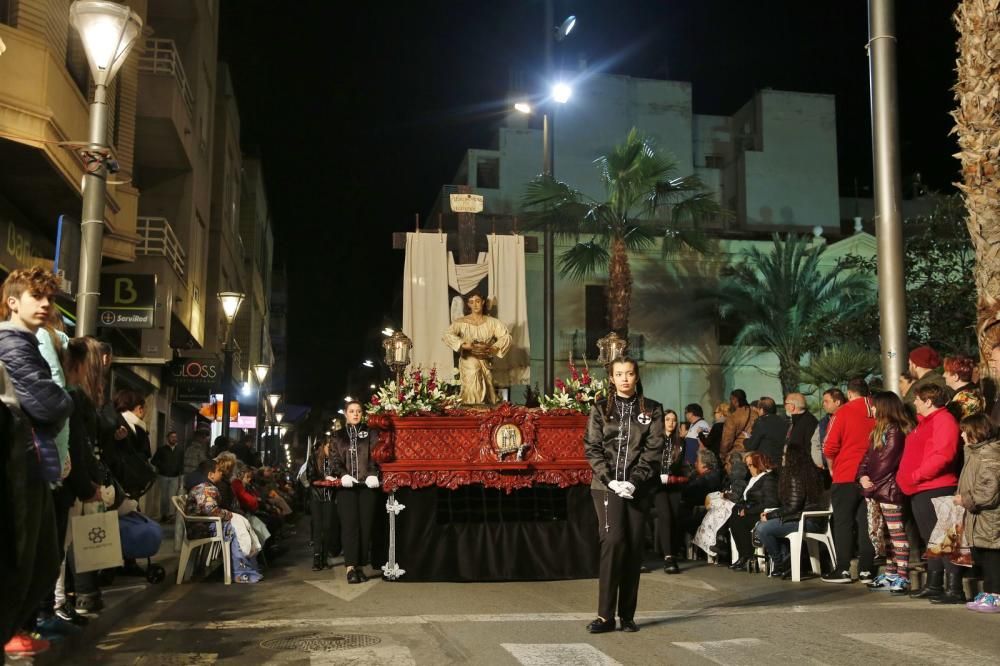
[977, 124]
[619, 288]
[788, 374]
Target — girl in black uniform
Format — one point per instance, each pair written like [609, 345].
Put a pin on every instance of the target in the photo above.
[624, 443]
[322, 506]
[358, 492]
[673, 477]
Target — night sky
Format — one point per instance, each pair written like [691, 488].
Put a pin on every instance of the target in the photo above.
[361, 112]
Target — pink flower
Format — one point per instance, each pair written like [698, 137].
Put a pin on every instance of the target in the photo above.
[375, 400]
[561, 385]
[575, 375]
[431, 385]
[586, 379]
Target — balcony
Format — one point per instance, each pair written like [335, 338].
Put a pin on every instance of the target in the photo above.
[165, 114]
[157, 239]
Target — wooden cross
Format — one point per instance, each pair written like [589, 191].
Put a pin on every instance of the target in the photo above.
[468, 243]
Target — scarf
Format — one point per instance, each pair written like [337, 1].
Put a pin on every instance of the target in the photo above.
[132, 420]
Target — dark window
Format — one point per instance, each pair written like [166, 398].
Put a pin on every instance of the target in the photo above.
[7, 9]
[596, 308]
[714, 161]
[76, 62]
[488, 173]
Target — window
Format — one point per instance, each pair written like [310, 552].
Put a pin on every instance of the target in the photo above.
[596, 313]
[488, 173]
[714, 162]
[7, 10]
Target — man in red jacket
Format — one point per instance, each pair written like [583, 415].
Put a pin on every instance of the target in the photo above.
[845, 446]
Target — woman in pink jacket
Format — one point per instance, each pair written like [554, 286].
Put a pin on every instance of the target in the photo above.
[929, 468]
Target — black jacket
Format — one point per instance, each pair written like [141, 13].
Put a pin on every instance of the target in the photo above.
[768, 437]
[87, 473]
[245, 454]
[351, 459]
[763, 495]
[169, 460]
[698, 488]
[638, 461]
[41, 399]
[794, 501]
[803, 427]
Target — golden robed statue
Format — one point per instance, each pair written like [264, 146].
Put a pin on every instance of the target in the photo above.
[478, 338]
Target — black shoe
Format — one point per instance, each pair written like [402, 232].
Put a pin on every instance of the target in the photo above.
[838, 577]
[88, 604]
[953, 594]
[780, 570]
[361, 574]
[933, 586]
[739, 565]
[629, 626]
[352, 577]
[69, 614]
[670, 567]
[318, 563]
[643, 569]
[600, 626]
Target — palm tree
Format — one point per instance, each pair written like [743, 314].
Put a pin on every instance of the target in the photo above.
[784, 301]
[644, 200]
[977, 124]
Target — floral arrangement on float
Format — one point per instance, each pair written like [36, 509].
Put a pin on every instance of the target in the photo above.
[418, 394]
[577, 393]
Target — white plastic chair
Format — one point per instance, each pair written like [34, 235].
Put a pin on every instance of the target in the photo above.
[812, 541]
[216, 544]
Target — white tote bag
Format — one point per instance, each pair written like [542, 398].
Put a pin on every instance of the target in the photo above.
[97, 543]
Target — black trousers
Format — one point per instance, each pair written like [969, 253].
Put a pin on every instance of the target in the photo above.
[325, 527]
[669, 529]
[356, 507]
[850, 527]
[741, 528]
[926, 518]
[621, 525]
[988, 560]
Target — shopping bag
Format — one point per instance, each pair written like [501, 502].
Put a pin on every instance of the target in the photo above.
[876, 526]
[96, 541]
[948, 536]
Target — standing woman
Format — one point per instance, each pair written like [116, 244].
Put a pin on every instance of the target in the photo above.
[674, 473]
[322, 505]
[624, 442]
[877, 476]
[359, 482]
[979, 493]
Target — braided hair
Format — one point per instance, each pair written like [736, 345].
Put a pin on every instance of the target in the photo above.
[609, 409]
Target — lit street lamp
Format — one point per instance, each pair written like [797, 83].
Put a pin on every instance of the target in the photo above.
[108, 30]
[231, 302]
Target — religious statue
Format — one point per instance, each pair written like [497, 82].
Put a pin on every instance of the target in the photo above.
[478, 338]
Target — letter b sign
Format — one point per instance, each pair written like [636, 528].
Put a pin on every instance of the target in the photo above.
[125, 292]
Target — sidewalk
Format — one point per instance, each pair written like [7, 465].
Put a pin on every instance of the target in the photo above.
[125, 597]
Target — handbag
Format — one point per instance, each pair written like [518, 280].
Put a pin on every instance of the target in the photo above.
[96, 541]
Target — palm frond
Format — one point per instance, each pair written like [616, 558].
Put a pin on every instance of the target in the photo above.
[583, 260]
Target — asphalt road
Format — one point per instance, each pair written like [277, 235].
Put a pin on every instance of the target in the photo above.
[705, 615]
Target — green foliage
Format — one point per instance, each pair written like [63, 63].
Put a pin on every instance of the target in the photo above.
[939, 261]
[834, 365]
[784, 300]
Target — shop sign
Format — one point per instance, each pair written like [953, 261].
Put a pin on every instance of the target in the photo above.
[127, 301]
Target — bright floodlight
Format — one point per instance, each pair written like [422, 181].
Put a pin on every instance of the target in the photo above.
[273, 399]
[279, 416]
[348, 398]
[567, 27]
[523, 107]
[371, 386]
[340, 411]
[368, 364]
[561, 92]
[108, 30]
[231, 302]
[246, 388]
[260, 371]
[387, 331]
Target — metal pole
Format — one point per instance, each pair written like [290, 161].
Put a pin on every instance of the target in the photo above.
[257, 424]
[888, 190]
[92, 219]
[548, 256]
[227, 383]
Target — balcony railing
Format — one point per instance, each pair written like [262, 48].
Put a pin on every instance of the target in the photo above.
[157, 239]
[161, 57]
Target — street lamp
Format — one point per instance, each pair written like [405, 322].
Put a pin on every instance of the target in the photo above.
[561, 92]
[273, 399]
[260, 371]
[231, 302]
[108, 30]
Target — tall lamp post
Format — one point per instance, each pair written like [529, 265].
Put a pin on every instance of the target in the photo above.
[260, 371]
[231, 302]
[108, 30]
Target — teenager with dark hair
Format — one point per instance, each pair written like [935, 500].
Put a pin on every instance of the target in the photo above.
[674, 475]
[624, 445]
[322, 505]
[359, 484]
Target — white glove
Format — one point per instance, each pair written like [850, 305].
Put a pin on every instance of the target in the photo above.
[372, 481]
[664, 479]
[330, 478]
[615, 487]
[625, 490]
[347, 481]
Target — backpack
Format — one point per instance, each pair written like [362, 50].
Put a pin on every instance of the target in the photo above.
[127, 466]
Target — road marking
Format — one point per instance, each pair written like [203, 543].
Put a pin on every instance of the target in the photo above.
[683, 581]
[340, 588]
[556, 654]
[182, 659]
[924, 647]
[746, 652]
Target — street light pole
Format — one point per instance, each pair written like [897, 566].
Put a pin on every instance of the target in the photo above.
[231, 302]
[888, 190]
[108, 30]
[548, 251]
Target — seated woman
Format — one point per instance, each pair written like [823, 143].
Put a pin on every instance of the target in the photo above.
[799, 489]
[246, 502]
[761, 493]
[205, 500]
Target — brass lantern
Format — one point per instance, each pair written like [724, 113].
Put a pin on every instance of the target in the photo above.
[397, 353]
[611, 346]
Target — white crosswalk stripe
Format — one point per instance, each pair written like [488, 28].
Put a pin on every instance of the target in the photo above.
[340, 588]
[925, 648]
[747, 652]
[558, 654]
